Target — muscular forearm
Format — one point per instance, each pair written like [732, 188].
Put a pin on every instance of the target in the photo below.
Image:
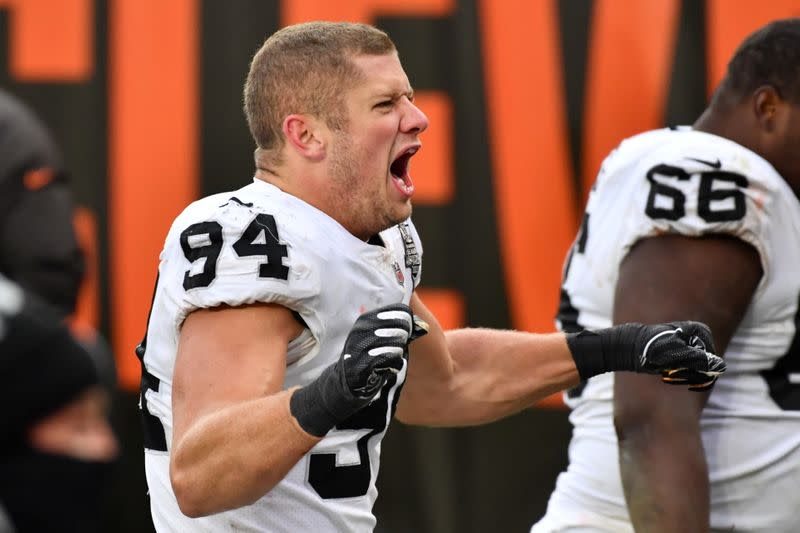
[665, 478]
[494, 374]
[472, 376]
[233, 456]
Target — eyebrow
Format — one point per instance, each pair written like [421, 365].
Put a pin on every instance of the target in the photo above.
[388, 93]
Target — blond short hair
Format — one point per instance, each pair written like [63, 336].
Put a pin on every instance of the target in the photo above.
[305, 68]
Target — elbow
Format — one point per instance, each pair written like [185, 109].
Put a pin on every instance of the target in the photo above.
[637, 435]
[415, 414]
[628, 430]
[635, 423]
[188, 492]
[642, 426]
[404, 417]
[427, 407]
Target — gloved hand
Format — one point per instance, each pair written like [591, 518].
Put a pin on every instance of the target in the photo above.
[682, 352]
[374, 348]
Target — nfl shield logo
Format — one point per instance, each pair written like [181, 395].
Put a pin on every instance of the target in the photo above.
[398, 273]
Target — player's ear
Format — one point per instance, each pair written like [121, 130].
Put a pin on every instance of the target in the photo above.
[305, 134]
[768, 107]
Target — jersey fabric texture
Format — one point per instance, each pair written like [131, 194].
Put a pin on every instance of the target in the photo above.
[259, 244]
[682, 181]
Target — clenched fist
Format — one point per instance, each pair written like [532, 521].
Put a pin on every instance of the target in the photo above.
[374, 348]
[682, 352]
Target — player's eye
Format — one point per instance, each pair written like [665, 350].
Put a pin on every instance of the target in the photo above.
[384, 104]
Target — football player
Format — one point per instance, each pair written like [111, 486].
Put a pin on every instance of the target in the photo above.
[700, 222]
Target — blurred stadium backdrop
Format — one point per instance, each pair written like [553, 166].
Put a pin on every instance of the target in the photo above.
[525, 97]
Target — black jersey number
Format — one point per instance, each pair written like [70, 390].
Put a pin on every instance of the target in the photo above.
[246, 246]
[349, 481]
[783, 379]
[203, 240]
[713, 202]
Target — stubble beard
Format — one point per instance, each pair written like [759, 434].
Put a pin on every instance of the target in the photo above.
[359, 201]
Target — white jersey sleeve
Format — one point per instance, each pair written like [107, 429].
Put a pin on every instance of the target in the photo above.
[223, 251]
[700, 185]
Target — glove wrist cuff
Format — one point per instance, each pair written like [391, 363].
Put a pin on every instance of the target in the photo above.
[323, 403]
[604, 350]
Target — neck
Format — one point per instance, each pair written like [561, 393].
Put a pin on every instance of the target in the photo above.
[728, 122]
[311, 192]
[268, 175]
[710, 122]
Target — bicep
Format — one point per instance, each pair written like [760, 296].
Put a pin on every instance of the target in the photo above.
[229, 355]
[710, 279]
[429, 363]
[429, 356]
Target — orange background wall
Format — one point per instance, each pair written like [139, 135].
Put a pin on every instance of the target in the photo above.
[153, 90]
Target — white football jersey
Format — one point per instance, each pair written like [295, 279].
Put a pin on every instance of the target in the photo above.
[692, 183]
[259, 244]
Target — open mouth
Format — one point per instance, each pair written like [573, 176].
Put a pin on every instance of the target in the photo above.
[399, 171]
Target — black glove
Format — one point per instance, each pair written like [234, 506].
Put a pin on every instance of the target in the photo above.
[682, 352]
[374, 349]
